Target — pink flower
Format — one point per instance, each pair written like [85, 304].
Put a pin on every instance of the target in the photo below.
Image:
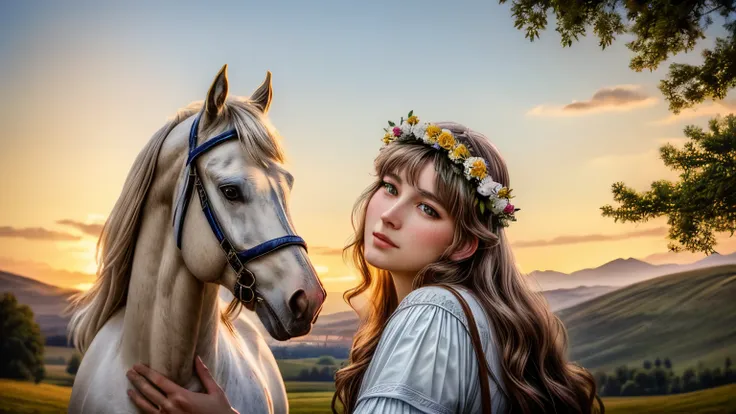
[509, 209]
[397, 131]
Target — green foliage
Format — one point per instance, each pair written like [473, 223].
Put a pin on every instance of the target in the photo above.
[703, 202]
[661, 29]
[326, 360]
[73, 365]
[21, 342]
[658, 381]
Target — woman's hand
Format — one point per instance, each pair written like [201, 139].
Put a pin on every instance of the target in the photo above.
[176, 399]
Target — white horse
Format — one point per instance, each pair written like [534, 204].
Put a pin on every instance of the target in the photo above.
[156, 299]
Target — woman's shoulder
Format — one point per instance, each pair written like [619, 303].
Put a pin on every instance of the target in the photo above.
[425, 356]
[437, 296]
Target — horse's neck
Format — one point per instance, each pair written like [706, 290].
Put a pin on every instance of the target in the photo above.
[170, 316]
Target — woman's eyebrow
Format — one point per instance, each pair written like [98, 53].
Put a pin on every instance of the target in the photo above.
[430, 195]
[394, 177]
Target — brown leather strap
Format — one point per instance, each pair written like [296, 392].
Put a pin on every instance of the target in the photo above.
[485, 392]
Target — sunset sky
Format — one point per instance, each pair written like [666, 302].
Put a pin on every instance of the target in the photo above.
[85, 85]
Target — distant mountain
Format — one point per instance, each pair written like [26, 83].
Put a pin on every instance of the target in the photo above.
[46, 301]
[619, 272]
[688, 317]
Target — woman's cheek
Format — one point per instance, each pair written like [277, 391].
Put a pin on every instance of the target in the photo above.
[433, 237]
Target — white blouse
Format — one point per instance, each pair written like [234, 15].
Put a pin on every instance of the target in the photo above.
[425, 362]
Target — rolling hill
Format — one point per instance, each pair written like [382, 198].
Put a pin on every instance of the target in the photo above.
[688, 317]
[46, 301]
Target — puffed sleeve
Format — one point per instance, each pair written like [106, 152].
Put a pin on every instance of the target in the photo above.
[424, 363]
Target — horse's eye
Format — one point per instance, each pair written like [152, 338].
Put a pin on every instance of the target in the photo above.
[230, 192]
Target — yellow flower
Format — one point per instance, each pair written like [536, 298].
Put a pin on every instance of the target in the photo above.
[433, 131]
[446, 140]
[478, 169]
[460, 153]
[505, 193]
[412, 120]
[387, 138]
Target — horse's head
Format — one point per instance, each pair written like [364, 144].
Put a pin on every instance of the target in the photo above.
[239, 233]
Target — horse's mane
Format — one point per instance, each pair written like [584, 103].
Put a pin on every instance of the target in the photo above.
[91, 309]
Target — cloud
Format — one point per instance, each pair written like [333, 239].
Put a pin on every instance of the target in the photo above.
[325, 251]
[616, 98]
[589, 238]
[710, 109]
[35, 233]
[93, 229]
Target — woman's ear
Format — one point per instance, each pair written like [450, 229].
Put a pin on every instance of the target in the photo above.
[467, 250]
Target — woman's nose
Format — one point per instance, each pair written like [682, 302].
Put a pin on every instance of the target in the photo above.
[391, 217]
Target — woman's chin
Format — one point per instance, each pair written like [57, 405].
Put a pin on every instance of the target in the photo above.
[379, 259]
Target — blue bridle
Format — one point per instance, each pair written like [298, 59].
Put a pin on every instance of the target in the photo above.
[244, 288]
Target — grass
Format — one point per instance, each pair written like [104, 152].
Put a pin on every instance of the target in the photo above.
[720, 400]
[688, 317]
[318, 386]
[57, 375]
[311, 398]
[28, 398]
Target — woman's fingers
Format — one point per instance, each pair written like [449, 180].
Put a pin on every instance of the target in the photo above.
[204, 375]
[141, 402]
[145, 388]
[163, 383]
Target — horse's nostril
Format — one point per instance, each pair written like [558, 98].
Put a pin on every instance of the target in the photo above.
[299, 304]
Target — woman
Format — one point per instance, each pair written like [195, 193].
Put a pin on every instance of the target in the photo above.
[434, 218]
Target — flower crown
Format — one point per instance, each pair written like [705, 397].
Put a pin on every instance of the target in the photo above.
[491, 196]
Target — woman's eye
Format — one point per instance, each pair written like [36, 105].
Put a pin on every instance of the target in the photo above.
[390, 188]
[230, 192]
[428, 210]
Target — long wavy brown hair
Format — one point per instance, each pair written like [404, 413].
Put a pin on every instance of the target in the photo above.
[536, 374]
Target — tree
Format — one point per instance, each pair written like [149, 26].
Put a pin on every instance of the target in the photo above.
[326, 360]
[73, 365]
[21, 341]
[661, 29]
[667, 363]
[689, 381]
[657, 362]
[630, 388]
[612, 387]
[647, 364]
[675, 388]
[702, 202]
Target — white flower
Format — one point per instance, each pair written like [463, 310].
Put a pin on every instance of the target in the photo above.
[419, 130]
[499, 204]
[405, 129]
[488, 187]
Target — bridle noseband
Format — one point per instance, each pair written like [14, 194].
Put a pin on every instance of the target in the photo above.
[244, 288]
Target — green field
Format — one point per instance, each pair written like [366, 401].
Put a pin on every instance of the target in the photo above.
[57, 375]
[311, 398]
[688, 317]
[27, 397]
[719, 400]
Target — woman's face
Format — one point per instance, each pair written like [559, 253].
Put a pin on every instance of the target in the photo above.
[406, 227]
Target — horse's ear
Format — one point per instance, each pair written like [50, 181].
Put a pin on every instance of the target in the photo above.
[217, 93]
[262, 96]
